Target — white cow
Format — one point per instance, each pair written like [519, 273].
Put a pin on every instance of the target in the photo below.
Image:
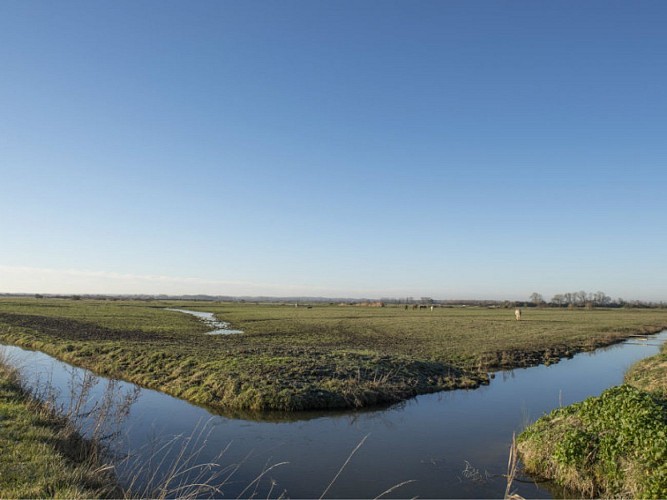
[517, 314]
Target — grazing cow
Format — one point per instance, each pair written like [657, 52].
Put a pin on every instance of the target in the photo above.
[517, 314]
[431, 308]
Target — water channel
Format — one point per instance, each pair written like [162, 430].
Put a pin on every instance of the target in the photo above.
[450, 444]
[219, 327]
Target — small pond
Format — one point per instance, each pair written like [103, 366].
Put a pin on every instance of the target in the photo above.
[450, 444]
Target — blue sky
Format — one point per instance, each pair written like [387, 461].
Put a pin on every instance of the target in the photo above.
[450, 149]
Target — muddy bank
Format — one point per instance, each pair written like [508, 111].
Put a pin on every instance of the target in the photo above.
[518, 358]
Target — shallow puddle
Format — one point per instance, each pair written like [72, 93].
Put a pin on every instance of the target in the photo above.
[219, 327]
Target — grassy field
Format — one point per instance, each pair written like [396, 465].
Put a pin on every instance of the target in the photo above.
[41, 456]
[327, 356]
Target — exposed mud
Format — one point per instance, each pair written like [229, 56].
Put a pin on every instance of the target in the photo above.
[518, 358]
[69, 329]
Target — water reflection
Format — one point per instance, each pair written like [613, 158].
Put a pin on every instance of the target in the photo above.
[437, 441]
[219, 327]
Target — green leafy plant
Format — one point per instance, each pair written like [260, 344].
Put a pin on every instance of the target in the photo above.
[611, 445]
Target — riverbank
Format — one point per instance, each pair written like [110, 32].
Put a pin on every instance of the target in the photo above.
[614, 445]
[430, 440]
[650, 374]
[290, 359]
[41, 455]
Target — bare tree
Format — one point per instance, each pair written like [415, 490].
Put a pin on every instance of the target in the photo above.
[580, 297]
[536, 298]
[601, 299]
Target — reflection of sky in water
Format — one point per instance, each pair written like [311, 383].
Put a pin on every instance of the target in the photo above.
[427, 439]
[219, 327]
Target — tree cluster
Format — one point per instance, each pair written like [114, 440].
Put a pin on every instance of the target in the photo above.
[581, 298]
[575, 299]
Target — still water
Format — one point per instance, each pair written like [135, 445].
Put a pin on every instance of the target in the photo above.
[451, 444]
[218, 327]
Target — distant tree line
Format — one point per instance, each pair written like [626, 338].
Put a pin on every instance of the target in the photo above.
[568, 299]
[581, 298]
[586, 299]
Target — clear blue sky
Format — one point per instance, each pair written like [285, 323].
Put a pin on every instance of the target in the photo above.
[451, 149]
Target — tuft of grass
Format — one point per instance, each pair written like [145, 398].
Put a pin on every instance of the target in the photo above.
[512, 469]
[614, 445]
[174, 468]
[650, 374]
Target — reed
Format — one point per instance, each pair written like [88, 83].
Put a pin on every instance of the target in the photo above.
[43, 454]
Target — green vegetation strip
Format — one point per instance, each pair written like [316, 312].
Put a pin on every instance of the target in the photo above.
[614, 445]
[41, 456]
[298, 358]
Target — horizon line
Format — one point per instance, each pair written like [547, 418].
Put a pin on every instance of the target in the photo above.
[316, 298]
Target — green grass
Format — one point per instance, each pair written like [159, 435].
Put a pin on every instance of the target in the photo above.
[291, 358]
[40, 454]
[614, 445]
[650, 374]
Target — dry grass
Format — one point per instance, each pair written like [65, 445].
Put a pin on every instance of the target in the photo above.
[299, 358]
[64, 445]
[43, 455]
[650, 374]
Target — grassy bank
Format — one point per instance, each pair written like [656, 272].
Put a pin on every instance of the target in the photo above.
[298, 358]
[650, 374]
[614, 445]
[41, 456]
